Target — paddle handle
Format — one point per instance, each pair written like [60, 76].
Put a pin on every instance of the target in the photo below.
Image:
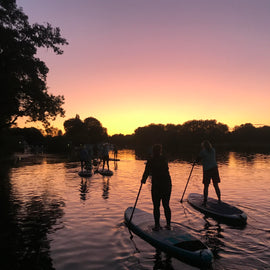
[187, 182]
[131, 216]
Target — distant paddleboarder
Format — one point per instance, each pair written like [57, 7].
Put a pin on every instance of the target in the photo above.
[207, 156]
[115, 151]
[84, 157]
[105, 155]
[157, 167]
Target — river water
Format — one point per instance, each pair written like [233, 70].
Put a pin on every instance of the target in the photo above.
[55, 219]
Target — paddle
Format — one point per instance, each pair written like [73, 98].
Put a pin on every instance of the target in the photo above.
[187, 181]
[131, 216]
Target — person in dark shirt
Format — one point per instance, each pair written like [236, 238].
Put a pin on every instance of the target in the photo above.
[157, 168]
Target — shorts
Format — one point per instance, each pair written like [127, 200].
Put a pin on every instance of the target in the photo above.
[211, 174]
[163, 194]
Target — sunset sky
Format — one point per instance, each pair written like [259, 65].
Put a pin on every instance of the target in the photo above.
[130, 63]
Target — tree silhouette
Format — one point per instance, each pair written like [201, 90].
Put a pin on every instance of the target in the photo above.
[95, 132]
[75, 130]
[23, 75]
[195, 131]
[89, 131]
[174, 137]
[248, 133]
[149, 135]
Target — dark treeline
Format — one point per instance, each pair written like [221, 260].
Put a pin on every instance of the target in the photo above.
[52, 140]
[174, 138]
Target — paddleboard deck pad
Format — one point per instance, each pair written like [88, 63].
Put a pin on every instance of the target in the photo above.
[219, 210]
[175, 242]
[105, 172]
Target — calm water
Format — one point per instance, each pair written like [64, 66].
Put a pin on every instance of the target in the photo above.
[58, 220]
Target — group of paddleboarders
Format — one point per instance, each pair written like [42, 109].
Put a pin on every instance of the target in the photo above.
[85, 159]
[93, 153]
[157, 167]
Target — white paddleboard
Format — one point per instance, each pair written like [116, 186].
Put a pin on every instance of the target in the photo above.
[176, 242]
[105, 172]
[85, 173]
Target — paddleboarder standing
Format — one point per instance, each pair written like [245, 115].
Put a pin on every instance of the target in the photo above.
[207, 156]
[157, 167]
[84, 157]
[115, 151]
[105, 155]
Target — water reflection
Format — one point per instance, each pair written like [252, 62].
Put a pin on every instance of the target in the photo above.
[212, 235]
[34, 159]
[32, 209]
[115, 165]
[83, 189]
[162, 263]
[35, 222]
[71, 165]
[106, 187]
[183, 156]
[25, 227]
[8, 223]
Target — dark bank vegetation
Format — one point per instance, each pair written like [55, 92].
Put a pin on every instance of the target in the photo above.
[23, 75]
[189, 135]
[174, 138]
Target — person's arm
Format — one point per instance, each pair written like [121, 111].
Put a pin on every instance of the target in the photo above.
[146, 172]
[199, 157]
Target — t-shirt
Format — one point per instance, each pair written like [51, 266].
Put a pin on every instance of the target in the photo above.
[208, 159]
[158, 168]
[83, 155]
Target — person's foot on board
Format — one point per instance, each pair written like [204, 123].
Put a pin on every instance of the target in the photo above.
[156, 228]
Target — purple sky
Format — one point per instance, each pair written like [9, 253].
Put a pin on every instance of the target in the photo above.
[131, 63]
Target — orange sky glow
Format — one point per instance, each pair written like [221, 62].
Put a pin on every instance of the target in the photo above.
[133, 63]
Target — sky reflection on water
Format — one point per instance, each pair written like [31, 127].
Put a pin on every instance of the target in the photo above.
[67, 222]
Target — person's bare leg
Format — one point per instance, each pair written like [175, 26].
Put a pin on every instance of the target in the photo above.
[205, 193]
[217, 191]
